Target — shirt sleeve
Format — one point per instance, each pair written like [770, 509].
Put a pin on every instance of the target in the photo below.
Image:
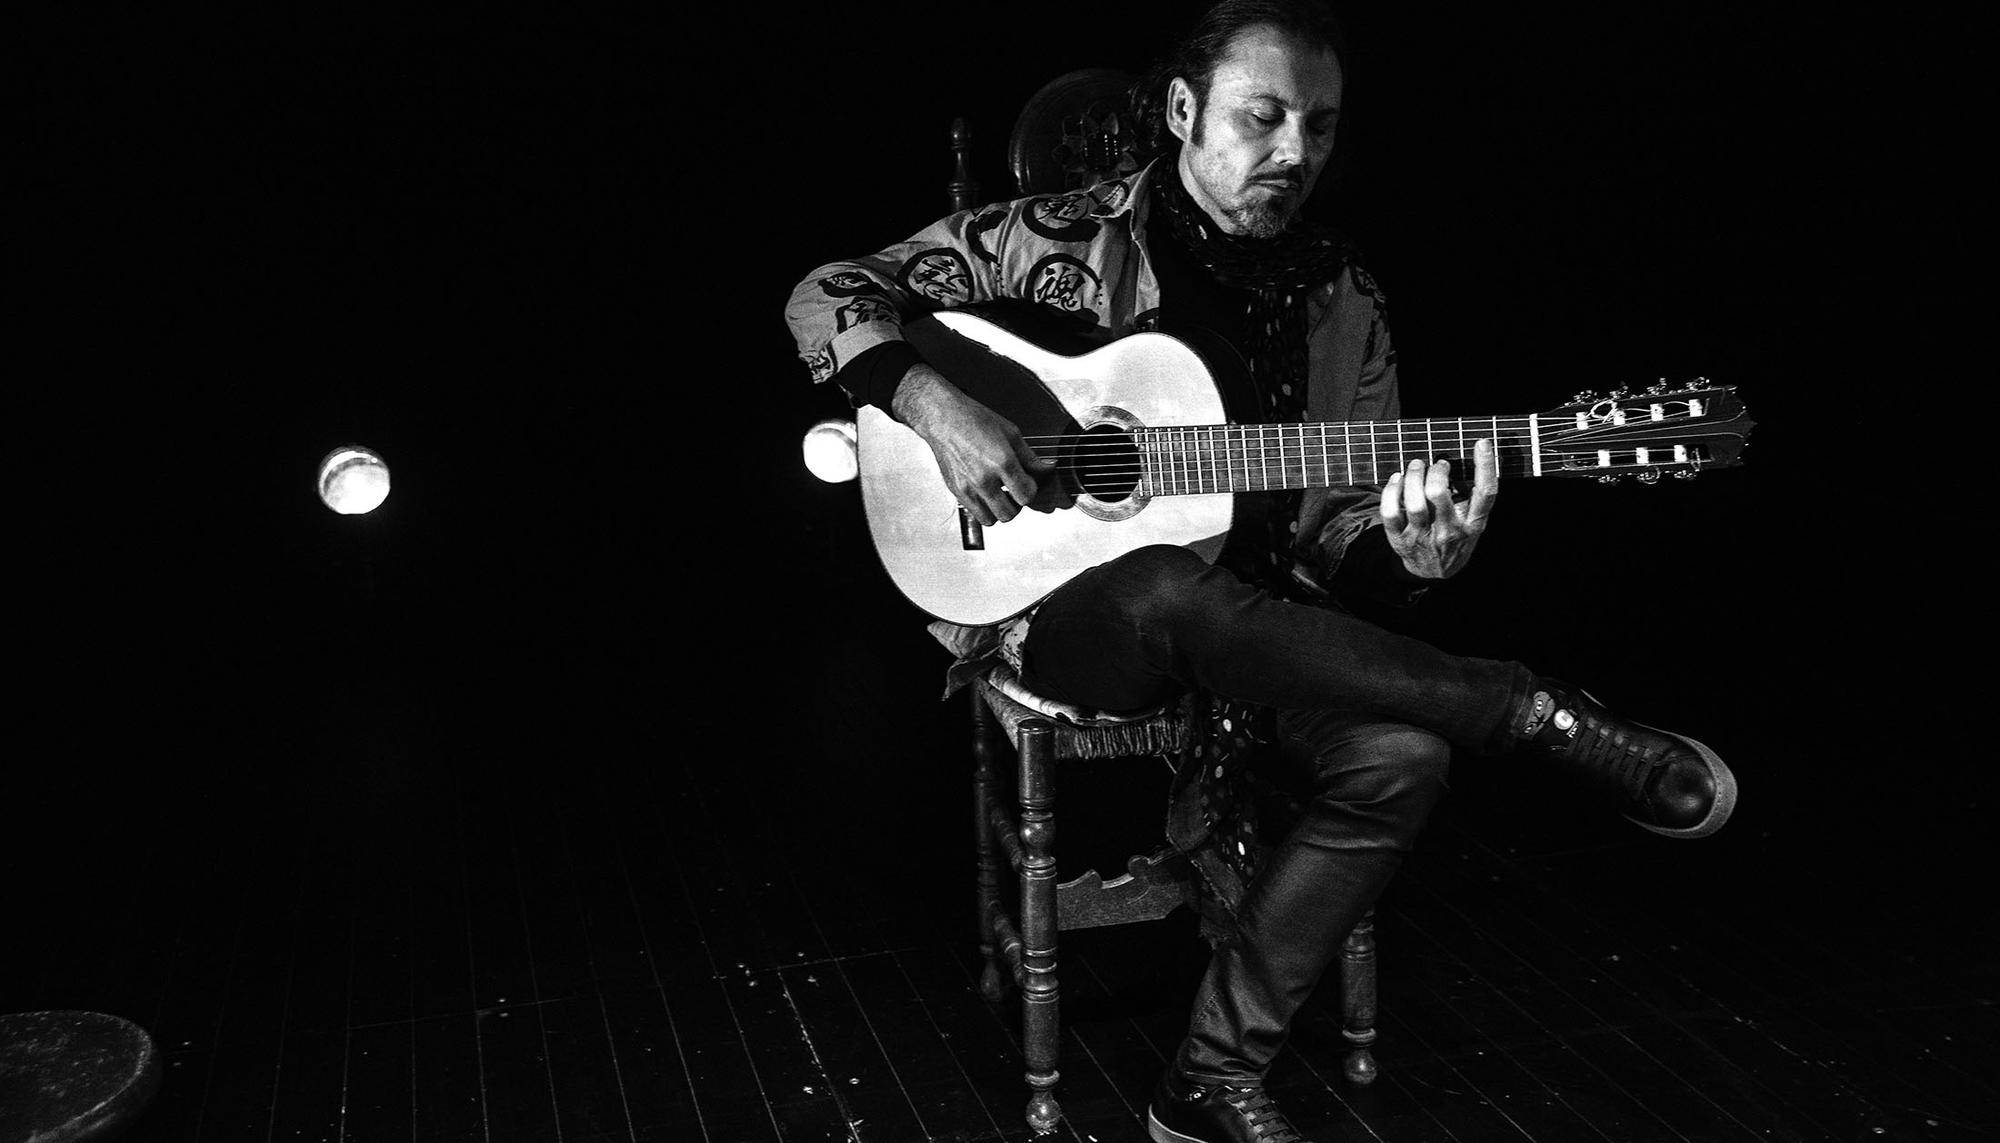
[1345, 550]
[843, 312]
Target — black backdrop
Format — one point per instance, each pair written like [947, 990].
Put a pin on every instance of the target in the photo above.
[539, 261]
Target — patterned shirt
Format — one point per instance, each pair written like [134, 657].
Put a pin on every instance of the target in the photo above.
[1084, 254]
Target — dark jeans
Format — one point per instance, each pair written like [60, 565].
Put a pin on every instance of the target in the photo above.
[1371, 715]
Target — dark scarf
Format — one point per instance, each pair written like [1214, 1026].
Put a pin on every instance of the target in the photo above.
[1278, 274]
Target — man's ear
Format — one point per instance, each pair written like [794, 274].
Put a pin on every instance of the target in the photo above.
[1180, 108]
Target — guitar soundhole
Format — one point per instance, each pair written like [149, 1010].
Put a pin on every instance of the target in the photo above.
[1106, 463]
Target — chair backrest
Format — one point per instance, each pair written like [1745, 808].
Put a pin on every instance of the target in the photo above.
[1076, 130]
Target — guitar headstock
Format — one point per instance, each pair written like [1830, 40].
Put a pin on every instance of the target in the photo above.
[1663, 430]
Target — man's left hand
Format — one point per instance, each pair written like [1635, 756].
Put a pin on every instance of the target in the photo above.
[1433, 533]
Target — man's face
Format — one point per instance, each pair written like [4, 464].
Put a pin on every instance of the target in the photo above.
[1253, 150]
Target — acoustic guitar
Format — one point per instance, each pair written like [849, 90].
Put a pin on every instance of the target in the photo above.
[1147, 453]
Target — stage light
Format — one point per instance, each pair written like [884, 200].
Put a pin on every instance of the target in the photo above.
[829, 450]
[353, 480]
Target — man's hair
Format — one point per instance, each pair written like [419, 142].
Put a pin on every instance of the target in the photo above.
[1198, 53]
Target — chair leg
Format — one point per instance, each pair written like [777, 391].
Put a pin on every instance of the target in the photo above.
[1357, 999]
[986, 737]
[1040, 1023]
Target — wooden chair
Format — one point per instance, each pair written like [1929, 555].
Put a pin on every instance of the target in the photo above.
[1076, 131]
[1019, 940]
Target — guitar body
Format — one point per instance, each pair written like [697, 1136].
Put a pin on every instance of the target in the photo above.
[1147, 452]
[1145, 379]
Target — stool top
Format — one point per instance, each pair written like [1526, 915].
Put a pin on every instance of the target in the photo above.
[1003, 678]
[69, 1077]
[1081, 732]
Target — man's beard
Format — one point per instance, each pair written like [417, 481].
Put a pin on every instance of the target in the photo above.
[1260, 219]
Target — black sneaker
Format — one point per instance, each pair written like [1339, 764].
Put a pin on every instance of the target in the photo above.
[1184, 1112]
[1670, 783]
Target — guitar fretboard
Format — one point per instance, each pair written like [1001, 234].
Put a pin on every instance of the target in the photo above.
[1194, 459]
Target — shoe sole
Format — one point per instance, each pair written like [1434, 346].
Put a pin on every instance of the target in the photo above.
[1718, 810]
[1161, 1133]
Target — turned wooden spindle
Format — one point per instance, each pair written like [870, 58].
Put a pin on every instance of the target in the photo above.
[1039, 992]
[1357, 999]
[986, 738]
[964, 188]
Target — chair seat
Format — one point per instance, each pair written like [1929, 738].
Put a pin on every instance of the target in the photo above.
[1083, 732]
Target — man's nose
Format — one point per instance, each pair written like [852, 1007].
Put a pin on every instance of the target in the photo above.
[1289, 146]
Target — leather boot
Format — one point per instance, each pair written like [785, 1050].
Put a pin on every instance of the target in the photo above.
[1667, 783]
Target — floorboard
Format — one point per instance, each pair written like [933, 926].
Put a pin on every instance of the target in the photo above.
[628, 944]
[611, 959]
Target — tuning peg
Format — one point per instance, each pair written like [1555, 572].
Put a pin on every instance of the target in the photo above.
[1584, 397]
[1607, 479]
[1686, 474]
[1620, 393]
[1657, 387]
[1699, 383]
[1650, 476]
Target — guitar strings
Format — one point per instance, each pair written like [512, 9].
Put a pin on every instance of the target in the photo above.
[1224, 470]
[1248, 451]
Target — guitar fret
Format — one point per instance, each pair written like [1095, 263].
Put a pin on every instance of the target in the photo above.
[1230, 458]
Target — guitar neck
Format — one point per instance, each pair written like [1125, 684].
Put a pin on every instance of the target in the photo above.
[1193, 459]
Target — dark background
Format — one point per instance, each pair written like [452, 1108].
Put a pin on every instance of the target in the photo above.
[539, 260]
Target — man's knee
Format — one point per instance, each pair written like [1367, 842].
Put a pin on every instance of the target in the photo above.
[1408, 763]
[1371, 763]
[1371, 786]
[1153, 584]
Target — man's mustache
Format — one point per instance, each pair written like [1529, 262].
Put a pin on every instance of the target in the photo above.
[1294, 177]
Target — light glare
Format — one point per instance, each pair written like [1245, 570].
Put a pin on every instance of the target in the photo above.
[829, 451]
[353, 480]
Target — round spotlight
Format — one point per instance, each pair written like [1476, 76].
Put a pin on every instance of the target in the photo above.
[353, 480]
[829, 451]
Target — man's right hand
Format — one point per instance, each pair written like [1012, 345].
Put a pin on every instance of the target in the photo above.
[984, 461]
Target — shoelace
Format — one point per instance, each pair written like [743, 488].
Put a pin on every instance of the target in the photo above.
[1628, 762]
[1257, 1108]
